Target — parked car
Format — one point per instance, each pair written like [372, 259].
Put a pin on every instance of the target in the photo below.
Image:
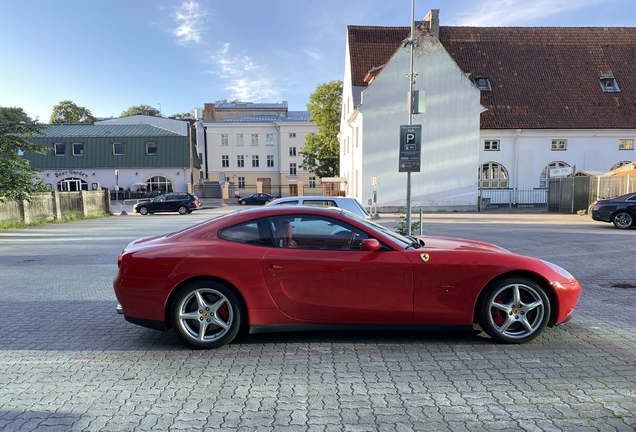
[621, 211]
[350, 204]
[183, 203]
[257, 198]
[261, 270]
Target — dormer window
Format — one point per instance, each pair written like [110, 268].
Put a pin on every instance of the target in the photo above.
[483, 83]
[609, 84]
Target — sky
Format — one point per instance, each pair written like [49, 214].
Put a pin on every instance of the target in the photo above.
[177, 55]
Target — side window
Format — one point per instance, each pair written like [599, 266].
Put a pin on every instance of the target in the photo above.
[290, 202]
[320, 203]
[252, 232]
[315, 232]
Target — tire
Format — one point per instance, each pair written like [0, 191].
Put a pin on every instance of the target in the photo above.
[623, 220]
[243, 202]
[515, 310]
[209, 303]
[143, 210]
[183, 210]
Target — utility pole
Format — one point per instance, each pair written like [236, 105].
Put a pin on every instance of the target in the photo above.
[411, 77]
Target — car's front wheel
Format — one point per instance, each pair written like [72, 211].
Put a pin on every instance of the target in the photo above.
[623, 220]
[243, 202]
[207, 314]
[515, 310]
[143, 210]
[183, 210]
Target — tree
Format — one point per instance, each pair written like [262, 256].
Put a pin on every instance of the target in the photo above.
[321, 151]
[18, 181]
[141, 109]
[68, 112]
[181, 116]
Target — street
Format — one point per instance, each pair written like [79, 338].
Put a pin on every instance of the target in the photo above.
[68, 362]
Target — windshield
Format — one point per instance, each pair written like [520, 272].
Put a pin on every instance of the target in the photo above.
[399, 238]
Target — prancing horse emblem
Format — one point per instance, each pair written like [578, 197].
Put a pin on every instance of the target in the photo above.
[424, 257]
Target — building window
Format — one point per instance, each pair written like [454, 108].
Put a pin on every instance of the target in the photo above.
[254, 139]
[559, 144]
[270, 161]
[609, 84]
[626, 144]
[493, 176]
[241, 182]
[543, 178]
[292, 169]
[617, 165]
[292, 151]
[78, 149]
[269, 139]
[118, 149]
[240, 161]
[225, 161]
[239, 139]
[159, 184]
[491, 145]
[59, 149]
[483, 83]
[151, 148]
[312, 182]
[292, 134]
[254, 161]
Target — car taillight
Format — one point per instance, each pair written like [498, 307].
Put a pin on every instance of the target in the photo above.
[195, 202]
[596, 206]
[119, 260]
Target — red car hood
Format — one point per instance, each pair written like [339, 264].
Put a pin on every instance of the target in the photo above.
[453, 243]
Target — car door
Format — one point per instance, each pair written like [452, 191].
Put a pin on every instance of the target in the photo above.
[326, 278]
[157, 204]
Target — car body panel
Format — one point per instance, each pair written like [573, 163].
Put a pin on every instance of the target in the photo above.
[346, 203]
[604, 210]
[436, 284]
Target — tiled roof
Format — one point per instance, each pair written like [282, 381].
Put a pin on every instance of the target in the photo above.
[292, 116]
[91, 130]
[542, 77]
[249, 105]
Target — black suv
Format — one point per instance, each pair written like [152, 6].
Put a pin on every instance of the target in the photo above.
[183, 203]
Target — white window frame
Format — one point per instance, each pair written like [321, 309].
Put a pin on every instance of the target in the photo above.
[149, 145]
[59, 149]
[240, 161]
[225, 139]
[270, 161]
[292, 151]
[559, 144]
[609, 84]
[241, 182]
[254, 139]
[626, 144]
[225, 161]
[292, 169]
[81, 150]
[543, 177]
[493, 175]
[312, 182]
[292, 134]
[269, 139]
[491, 145]
[255, 162]
[121, 145]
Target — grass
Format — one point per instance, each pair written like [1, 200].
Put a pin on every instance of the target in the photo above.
[70, 218]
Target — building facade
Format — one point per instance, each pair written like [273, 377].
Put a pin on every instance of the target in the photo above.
[505, 108]
[261, 146]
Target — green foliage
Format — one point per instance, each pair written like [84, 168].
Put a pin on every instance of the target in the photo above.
[321, 151]
[141, 109]
[181, 116]
[68, 112]
[18, 181]
[401, 226]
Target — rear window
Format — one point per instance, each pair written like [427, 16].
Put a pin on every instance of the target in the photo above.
[290, 202]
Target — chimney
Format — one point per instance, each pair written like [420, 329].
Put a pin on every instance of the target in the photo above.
[432, 22]
[209, 114]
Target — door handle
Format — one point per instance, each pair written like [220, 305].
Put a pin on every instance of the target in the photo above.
[274, 267]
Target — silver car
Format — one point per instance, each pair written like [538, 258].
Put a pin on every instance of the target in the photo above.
[346, 203]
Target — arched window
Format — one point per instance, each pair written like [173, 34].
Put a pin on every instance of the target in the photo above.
[619, 164]
[72, 184]
[159, 184]
[543, 179]
[492, 175]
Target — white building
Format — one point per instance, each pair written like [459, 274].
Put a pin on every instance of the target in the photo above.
[504, 106]
[261, 145]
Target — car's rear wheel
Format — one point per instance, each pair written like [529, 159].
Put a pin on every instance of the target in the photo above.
[243, 202]
[623, 220]
[143, 210]
[515, 310]
[207, 314]
[183, 210]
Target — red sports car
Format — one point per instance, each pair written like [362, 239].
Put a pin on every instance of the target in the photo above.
[278, 268]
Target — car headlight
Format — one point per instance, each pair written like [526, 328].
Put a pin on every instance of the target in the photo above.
[563, 272]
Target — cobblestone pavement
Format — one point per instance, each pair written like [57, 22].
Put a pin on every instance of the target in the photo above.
[68, 362]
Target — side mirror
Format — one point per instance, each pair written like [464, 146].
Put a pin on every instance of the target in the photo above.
[370, 245]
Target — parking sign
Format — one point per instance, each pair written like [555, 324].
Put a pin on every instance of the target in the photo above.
[410, 148]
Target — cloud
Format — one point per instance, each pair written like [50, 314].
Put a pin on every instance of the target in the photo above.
[312, 55]
[190, 20]
[514, 12]
[244, 77]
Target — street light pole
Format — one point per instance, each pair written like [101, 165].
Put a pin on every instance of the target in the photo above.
[410, 109]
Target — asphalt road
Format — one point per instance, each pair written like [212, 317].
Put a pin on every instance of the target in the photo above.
[68, 362]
